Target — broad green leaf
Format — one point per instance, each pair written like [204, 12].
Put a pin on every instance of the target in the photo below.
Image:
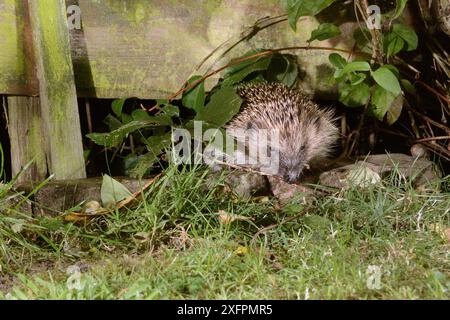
[354, 96]
[299, 8]
[115, 137]
[284, 69]
[194, 98]
[393, 69]
[407, 34]
[117, 106]
[337, 60]
[354, 66]
[140, 114]
[224, 104]
[386, 79]
[394, 44]
[239, 72]
[357, 78]
[112, 192]
[400, 6]
[156, 145]
[325, 31]
[112, 122]
[170, 111]
[385, 102]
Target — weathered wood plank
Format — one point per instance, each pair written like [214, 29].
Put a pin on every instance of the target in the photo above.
[27, 138]
[149, 48]
[58, 99]
[17, 73]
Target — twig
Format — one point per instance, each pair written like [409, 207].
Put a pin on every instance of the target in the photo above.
[256, 55]
[424, 117]
[438, 149]
[433, 138]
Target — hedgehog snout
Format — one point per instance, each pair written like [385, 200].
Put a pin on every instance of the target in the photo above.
[291, 173]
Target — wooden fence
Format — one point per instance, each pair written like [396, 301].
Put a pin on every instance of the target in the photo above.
[53, 51]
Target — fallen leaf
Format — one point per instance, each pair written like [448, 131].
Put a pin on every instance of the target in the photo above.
[241, 250]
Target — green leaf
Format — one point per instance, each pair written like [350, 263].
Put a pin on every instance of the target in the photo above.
[407, 35]
[354, 96]
[112, 122]
[363, 39]
[239, 72]
[400, 6]
[156, 145]
[112, 192]
[284, 69]
[224, 104]
[393, 69]
[337, 60]
[140, 114]
[354, 66]
[194, 98]
[170, 111]
[386, 79]
[357, 78]
[384, 101]
[115, 137]
[325, 31]
[117, 106]
[394, 44]
[408, 86]
[299, 8]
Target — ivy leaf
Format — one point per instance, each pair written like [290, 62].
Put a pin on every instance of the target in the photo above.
[170, 111]
[194, 98]
[337, 60]
[112, 192]
[284, 69]
[384, 101]
[354, 96]
[112, 122]
[237, 73]
[386, 79]
[299, 8]
[140, 114]
[325, 31]
[115, 137]
[117, 106]
[224, 104]
[156, 145]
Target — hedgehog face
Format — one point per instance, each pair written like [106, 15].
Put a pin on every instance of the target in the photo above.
[292, 163]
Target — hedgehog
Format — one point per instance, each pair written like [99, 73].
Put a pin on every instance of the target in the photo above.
[306, 132]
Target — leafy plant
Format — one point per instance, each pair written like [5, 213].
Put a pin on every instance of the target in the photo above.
[150, 129]
[368, 81]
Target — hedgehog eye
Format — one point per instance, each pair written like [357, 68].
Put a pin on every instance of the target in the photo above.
[302, 148]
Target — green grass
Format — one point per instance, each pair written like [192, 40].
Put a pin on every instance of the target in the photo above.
[172, 245]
